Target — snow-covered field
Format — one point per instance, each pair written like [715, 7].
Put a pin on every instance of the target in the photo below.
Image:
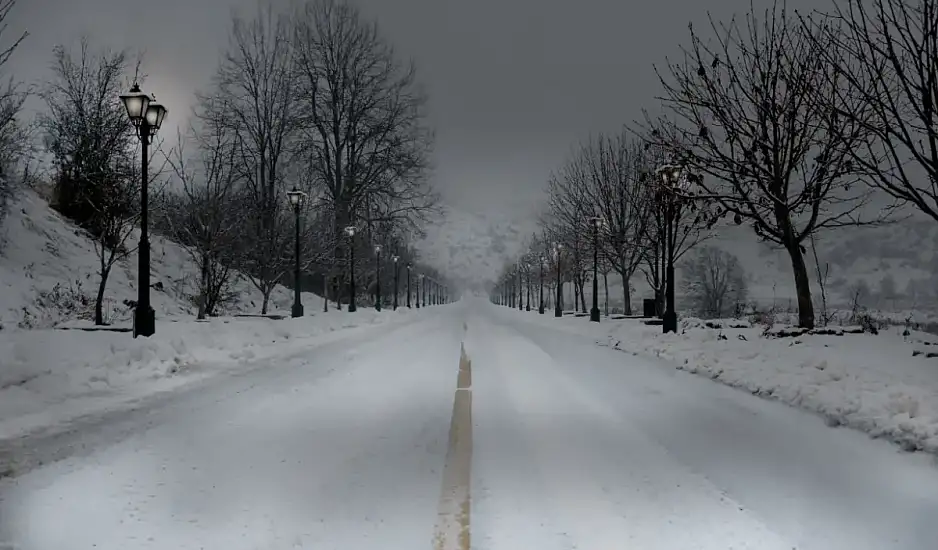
[884, 384]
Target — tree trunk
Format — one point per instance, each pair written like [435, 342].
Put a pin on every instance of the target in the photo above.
[99, 300]
[606, 286]
[802, 287]
[626, 296]
[266, 292]
[203, 290]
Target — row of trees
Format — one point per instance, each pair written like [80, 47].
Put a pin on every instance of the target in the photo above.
[789, 123]
[311, 98]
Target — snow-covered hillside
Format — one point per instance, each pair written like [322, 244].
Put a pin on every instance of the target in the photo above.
[49, 273]
[472, 248]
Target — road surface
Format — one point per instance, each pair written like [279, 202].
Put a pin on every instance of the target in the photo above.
[471, 427]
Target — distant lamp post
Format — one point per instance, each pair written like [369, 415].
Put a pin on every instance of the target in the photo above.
[672, 181]
[540, 302]
[409, 267]
[558, 255]
[147, 116]
[395, 258]
[596, 222]
[520, 287]
[297, 198]
[350, 233]
[378, 277]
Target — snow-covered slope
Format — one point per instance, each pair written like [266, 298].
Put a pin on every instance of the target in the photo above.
[49, 273]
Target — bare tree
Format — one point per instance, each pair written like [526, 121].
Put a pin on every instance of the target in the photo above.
[714, 282]
[885, 54]
[752, 115]
[94, 151]
[202, 216]
[13, 135]
[363, 115]
[619, 195]
[255, 85]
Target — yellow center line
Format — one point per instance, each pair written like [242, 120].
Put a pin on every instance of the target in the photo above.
[452, 524]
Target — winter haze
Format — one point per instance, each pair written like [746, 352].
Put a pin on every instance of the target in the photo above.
[513, 86]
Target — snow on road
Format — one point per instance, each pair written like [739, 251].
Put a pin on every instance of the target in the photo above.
[581, 445]
[342, 450]
[572, 446]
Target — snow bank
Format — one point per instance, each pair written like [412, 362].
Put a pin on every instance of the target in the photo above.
[885, 384]
[43, 368]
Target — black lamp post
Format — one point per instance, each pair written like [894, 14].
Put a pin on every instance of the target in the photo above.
[424, 290]
[397, 272]
[408, 284]
[297, 198]
[671, 179]
[558, 251]
[350, 232]
[378, 277]
[146, 115]
[527, 285]
[540, 303]
[596, 222]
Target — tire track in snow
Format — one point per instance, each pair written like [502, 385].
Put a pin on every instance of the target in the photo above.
[452, 525]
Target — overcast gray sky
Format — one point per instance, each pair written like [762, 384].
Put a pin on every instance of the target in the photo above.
[513, 83]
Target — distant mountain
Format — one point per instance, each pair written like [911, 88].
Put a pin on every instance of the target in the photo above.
[470, 248]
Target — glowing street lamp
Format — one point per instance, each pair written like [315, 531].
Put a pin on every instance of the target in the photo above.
[350, 233]
[296, 198]
[147, 116]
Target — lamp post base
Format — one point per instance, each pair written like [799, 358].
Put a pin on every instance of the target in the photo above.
[144, 321]
[558, 312]
[540, 310]
[594, 314]
[669, 322]
[351, 307]
[297, 310]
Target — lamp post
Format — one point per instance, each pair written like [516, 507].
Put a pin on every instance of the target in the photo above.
[408, 284]
[146, 115]
[424, 289]
[527, 285]
[520, 288]
[596, 222]
[540, 303]
[671, 177]
[350, 232]
[297, 198]
[558, 251]
[397, 272]
[378, 277]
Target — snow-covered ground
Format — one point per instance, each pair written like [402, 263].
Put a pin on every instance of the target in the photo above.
[51, 376]
[573, 445]
[884, 384]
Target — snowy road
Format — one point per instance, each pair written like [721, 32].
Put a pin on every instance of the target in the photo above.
[572, 446]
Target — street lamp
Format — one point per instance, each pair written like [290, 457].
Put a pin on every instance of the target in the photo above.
[520, 287]
[540, 303]
[146, 115]
[408, 283]
[395, 258]
[297, 198]
[671, 181]
[350, 232]
[596, 222]
[378, 277]
[527, 284]
[558, 251]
